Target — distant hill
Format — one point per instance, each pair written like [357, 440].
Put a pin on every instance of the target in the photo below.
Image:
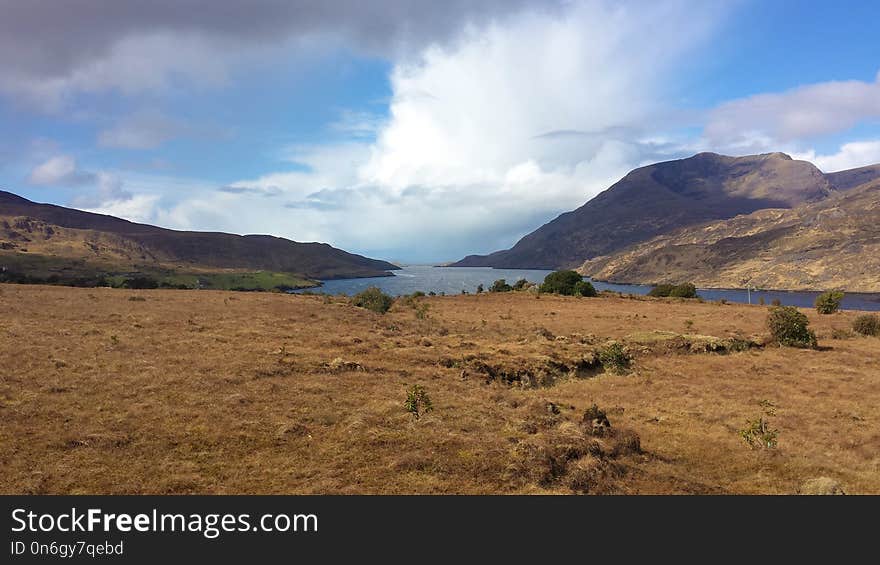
[663, 197]
[45, 238]
[845, 180]
[831, 244]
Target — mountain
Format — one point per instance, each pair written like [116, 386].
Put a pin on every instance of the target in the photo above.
[662, 197]
[831, 244]
[845, 180]
[53, 239]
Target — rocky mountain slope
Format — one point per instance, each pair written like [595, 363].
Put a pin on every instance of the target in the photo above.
[834, 243]
[663, 197]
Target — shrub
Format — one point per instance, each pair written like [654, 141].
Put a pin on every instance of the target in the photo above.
[418, 294]
[776, 302]
[373, 299]
[867, 324]
[584, 288]
[421, 310]
[520, 284]
[838, 333]
[615, 358]
[418, 402]
[757, 434]
[790, 327]
[561, 282]
[661, 290]
[829, 302]
[685, 290]
[500, 286]
[480, 288]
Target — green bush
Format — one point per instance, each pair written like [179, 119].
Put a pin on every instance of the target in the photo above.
[686, 290]
[829, 302]
[584, 288]
[758, 434]
[561, 282]
[373, 299]
[520, 284]
[418, 402]
[867, 324]
[790, 327]
[615, 358]
[500, 286]
[661, 290]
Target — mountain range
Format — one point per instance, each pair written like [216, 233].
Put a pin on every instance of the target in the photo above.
[44, 240]
[636, 230]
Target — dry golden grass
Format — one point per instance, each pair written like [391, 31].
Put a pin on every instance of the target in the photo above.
[222, 392]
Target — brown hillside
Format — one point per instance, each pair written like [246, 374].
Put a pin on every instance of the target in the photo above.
[660, 198]
[65, 233]
[834, 243]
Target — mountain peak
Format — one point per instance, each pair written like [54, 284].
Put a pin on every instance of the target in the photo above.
[661, 197]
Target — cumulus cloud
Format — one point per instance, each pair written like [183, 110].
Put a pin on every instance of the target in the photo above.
[488, 136]
[850, 156]
[794, 115]
[94, 188]
[59, 170]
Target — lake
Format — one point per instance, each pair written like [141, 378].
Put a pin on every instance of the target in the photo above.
[452, 280]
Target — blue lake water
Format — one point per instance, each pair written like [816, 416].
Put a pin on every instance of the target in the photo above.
[452, 280]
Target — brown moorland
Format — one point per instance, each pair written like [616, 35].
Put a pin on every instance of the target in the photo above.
[164, 391]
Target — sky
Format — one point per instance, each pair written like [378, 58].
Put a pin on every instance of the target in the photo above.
[413, 131]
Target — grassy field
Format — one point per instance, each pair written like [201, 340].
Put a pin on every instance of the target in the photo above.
[162, 391]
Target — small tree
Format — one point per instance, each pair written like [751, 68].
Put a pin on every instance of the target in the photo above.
[584, 288]
[500, 286]
[829, 302]
[561, 282]
[373, 299]
[790, 327]
[418, 402]
[661, 290]
[686, 290]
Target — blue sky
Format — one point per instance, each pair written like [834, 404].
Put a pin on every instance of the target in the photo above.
[408, 131]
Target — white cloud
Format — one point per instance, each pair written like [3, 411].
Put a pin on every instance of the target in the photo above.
[58, 171]
[94, 189]
[794, 115]
[850, 156]
[137, 208]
